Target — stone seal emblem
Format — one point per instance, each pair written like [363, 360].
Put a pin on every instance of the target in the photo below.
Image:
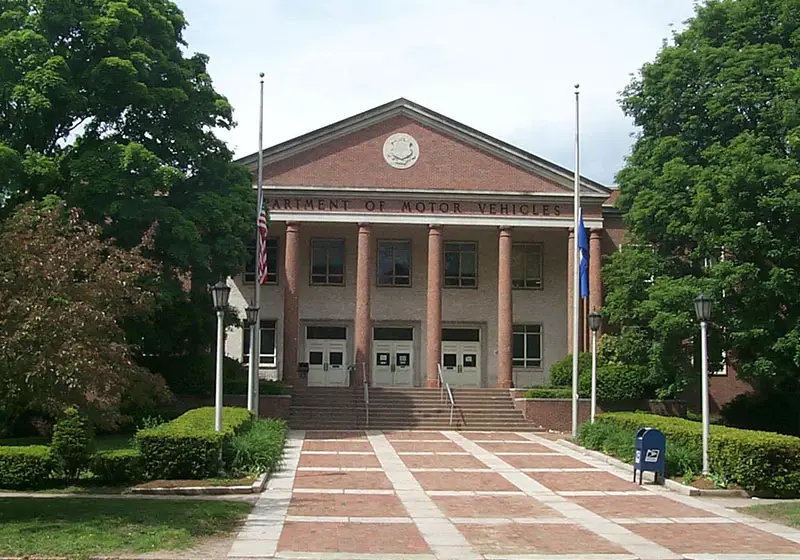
[400, 150]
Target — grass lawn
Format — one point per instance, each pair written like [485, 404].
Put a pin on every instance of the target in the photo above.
[82, 527]
[786, 513]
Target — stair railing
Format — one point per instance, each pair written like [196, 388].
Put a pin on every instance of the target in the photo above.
[445, 386]
[366, 391]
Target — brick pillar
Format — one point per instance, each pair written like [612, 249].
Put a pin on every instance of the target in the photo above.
[363, 322]
[505, 316]
[595, 279]
[434, 317]
[570, 269]
[291, 305]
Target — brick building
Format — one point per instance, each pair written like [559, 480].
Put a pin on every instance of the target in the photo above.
[401, 239]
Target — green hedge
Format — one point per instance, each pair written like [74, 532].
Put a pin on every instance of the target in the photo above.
[119, 465]
[25, 467]
[762, 463]
[189, 447]
[259, 449]
[548, 393]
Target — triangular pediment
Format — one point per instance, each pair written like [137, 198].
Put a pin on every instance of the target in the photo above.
[402, 145]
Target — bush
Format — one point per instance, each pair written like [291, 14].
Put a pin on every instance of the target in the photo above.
[189, 447]
[561, 371]
[762, 463]
[119, 465]
[548, 393]
[72, 443]
[269, 387]
[770, 411]
[25, 467]
[194, 375]
[259, 449]
[615, 382]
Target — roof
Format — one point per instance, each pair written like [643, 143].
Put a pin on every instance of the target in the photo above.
[445, 125]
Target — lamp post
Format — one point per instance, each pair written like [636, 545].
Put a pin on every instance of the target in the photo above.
[702, 307]
[220, 293]
[594, 324]
[251, 316]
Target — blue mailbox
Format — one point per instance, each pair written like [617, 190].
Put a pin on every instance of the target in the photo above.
[651, 446]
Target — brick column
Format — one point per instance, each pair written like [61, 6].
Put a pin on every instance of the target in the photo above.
[595, 279]
[434, 317]
[291, 305]
[570, 269]
[363, 322]
[505, 318]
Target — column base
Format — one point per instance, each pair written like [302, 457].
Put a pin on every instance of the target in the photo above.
[505, 385]
[431, 384]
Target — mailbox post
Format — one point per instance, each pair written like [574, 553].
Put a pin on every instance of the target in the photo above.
[651, 446]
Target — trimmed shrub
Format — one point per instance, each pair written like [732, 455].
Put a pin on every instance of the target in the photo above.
[269, 387]
[561, 371]
[762, 463]
[548, 393]
[119, 465]
[25, 467]
[615, 382]
[260, 448]
[194, 375]
[189, 447]
[72, 443]
[769, 410]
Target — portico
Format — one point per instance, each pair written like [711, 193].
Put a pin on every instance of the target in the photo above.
[463, 265]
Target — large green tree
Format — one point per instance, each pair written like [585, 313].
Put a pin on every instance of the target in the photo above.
[99, 105]
[711, 194]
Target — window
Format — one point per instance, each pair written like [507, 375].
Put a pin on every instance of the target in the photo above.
[267, 350]
[460, 265]
[526, 266]
[527, 346]
[327, 262]
[272, 261]
[394, 263]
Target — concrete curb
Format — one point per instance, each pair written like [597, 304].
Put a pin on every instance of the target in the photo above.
[669, 484]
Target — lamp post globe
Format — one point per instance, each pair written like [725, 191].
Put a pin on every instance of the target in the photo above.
[220, 292]
[594, 320]
[594, 325]
[702, 307]
[251, 313]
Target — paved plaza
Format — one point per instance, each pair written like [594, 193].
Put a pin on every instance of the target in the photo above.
[482, 495]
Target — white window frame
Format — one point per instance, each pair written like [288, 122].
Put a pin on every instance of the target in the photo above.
[523, 329]
[268, 357]
[526, 283]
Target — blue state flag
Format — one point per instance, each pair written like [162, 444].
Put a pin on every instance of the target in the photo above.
[583, 249]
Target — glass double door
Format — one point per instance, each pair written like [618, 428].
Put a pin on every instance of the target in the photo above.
[461, 357]
[393, 356]
[326, 348]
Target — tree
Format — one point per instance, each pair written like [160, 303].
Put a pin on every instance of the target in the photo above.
[99, 105]
[63, 293]
[711, 193]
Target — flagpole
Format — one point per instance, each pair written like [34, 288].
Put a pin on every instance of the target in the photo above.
[575, 268]
[255, 330]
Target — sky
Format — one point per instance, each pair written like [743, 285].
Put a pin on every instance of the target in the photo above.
[505, 67]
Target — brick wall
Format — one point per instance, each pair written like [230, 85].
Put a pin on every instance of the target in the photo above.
[556, 414]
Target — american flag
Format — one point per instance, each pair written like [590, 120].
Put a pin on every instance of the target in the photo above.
[263, 231]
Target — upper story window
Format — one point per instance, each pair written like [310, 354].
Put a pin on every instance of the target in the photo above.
[327, 262]
[460, 264]
[527, 346]
[526, 266]
[272, 261]
[394, 263]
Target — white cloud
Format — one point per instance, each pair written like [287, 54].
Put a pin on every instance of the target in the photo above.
[505, 67]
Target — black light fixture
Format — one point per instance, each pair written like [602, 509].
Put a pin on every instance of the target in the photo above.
[220, 292]
[594, 320]
[251, 311]
[702, 307]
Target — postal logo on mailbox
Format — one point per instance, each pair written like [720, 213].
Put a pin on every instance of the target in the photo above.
[652, 455]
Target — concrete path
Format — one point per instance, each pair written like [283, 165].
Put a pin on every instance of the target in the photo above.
[483, 495]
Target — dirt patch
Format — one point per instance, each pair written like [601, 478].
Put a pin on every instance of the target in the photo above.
[196, 483]
[703, 483]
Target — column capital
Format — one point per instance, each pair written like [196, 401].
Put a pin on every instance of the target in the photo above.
[435, 228]
[293, 226]
[595, 233]
[365, 225]
[505, 230]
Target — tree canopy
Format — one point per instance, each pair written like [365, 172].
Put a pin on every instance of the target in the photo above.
[100, 106]
[711, 194]
[63, 294]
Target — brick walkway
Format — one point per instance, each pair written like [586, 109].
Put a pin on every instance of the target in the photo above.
[465, 496]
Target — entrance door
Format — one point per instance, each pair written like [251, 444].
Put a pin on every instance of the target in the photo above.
[461, 357]
[325, 353]
[392, 348]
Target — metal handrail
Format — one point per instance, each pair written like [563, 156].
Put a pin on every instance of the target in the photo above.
[442, 386]
[366, 391]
